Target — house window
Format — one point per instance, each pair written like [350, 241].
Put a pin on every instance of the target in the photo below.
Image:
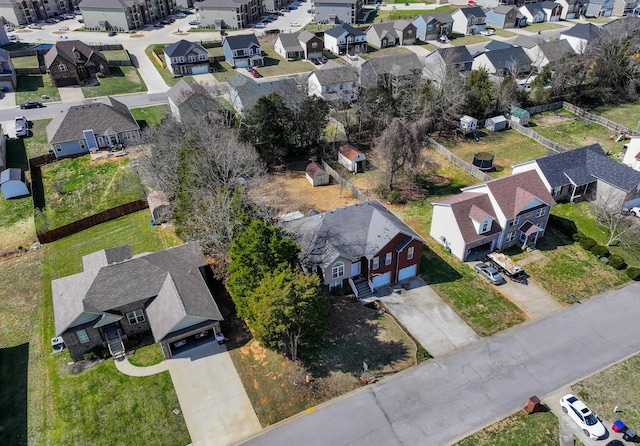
[409, 32]
[485, 226]
[335, 284]
[511, 236]
[337, 270]
[83, 337]
[203, 57]
[541, 212]
[135, 317]
[388, 257]
[181, 59]
[514, 222]
[58, 147]
[556, 191]
[82, 144]
[62, 67]
[314, 45]
[375, 264]
[410, 253]
[192, 58]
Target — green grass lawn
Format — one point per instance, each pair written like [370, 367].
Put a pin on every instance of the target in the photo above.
[571, 131]
[37, 144]
[147, 355]
[274, 65]
[376, 52]
[77, 188]
[122, 80]
[166, 75]
[116, 55]
[624, 114]
[31, 87]
[461, 40]
[25, 62]
[503, 32]
[150, 116]
[508, 146]
[543, 26]
[539, 428]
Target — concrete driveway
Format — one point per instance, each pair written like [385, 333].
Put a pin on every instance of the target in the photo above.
[429, 319]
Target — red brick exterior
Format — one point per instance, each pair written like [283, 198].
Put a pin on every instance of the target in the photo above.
[399, 259]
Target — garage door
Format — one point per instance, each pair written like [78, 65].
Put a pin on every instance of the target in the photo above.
[407, 272]
[200, 70]
[381, 280]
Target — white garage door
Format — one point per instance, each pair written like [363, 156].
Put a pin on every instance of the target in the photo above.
[200, 70]
[407, 272]
[381, 280]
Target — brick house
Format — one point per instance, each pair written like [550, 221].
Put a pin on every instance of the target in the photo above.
[72, 62]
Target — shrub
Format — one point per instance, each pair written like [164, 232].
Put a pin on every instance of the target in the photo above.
[567, 227]
[600, 251]
[337, 291]
[587, 243]
[633, 273]
[578, 236]
[617, 261]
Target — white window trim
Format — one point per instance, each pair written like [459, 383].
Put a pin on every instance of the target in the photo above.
[541, 212]
[388, 258]
[486, 225]
[337, 270]
[410, 253]
[376, 263]
[136, 317]
[83, 337]
[511, 236]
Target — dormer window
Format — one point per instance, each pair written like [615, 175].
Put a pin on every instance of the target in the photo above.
[486, 225]
[78, 55]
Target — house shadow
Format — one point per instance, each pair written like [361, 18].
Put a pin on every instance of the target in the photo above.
[14, 368]
[435, 269]
[17, 154]
[37, 188]
[116, 72]
[28, 82]
[557, 234]
[270, 61]
[134, 60]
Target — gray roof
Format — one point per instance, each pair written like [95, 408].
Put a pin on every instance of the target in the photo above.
[497, 45]
[504, 9]
[103, 119]
[585, 165]
[248, 91]
[168, 283]
[556, 49]
[337, 75]
[10, 174]
[586, 31]
[455, 54]
[191, 98]
[533, 8]
[290, 42]
[352, 232]
[475, 11]
[241, 41]
[106, 257]
[182, 48]
[340, 29]
[525, 41]
[382, 28]
[227, 4]
[549, 5]
[506, 57]
[67, 49]
[398, 64]
[441, 17]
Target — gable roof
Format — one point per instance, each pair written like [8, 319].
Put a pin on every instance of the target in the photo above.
[455, 55]
[348, 151]
[383, 28]
[397, 64]
[584, 165]
[497, 45]
[339, 30]
[337, 75]
[313, 168]
[103, 119]
[441, 17]
[555, 50]
[514, 192]
[525, 41]
[241, 41]
[182, 48]
[549, 5]
[533, 8]
[66, 50]
[10, 174]
[327, 236]
[504, 9]
[473, 11]
[290, 42]
[464, 206]
[506, 57]
[586, 31]
[248, 91]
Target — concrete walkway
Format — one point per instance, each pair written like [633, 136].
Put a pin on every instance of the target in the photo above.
[71, 94]
[129, 369]
[429, 319]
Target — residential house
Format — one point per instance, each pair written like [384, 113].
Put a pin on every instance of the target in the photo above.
[528, 44]
[363, 246]
[8, 79]
[345, 39]
[387, 34]
[631, 155]
[469, 21]
[4, 38]
[504, 16]
[125, 16]
[337, 11]
[512, 61]
[533, 12]
[600, 8]
[189, 100]
[434, 25]
[316, 175]
[439, 63]
[19, 12]
[119, 296]
[185, 58]
[552, 11]
[300, 45]
[580, 35]
[351, 158]
[228, 14]
[623, 8]
[550, 52]
[242, 50]
[72, 62]
[586, 173]
[94, 125]
[12, 183]
[573, 9]
[393, 70]
[244, 91]
[335, 85]
[495, 45]
[492, 216]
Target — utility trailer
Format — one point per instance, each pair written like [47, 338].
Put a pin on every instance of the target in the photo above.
[508, 267]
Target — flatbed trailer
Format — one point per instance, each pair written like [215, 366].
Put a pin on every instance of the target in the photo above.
[504, 264]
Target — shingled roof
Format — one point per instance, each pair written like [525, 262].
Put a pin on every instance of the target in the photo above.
[337, 75]
[455, 55]
[464, 207]
[182, 48]
[586, 31]
[555, 50]
[241, 41]
[341, 29]
[67, 49]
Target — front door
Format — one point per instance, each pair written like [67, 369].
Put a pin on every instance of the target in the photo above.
[355, 269]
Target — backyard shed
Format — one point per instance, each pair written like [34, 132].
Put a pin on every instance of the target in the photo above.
[316, 175]
[496, 123]
[12, 183]
[351, 158]
[468, 124]
[159, 206]
[519, 115]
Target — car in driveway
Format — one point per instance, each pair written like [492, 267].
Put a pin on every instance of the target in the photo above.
[583, 417]
[489, 273]
[488, 32]
[635, 211]
[22, 126]
[31, 104]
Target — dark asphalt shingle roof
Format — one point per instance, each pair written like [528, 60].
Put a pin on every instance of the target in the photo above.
[525, 41]
[330, 76]
[398, 64]
[586, 31]
[182, 48]
[241, 41]
[475, 11]
[497, 45]
[67, 48]
[441, 17]
[507, 57]
[555, 50]
[340, 29]
[248, 91]
[455, 55]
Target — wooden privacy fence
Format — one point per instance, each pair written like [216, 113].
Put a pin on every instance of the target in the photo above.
[598, 119]
[537, 137]
[470, 168]
[87, 222]
[544, 107]
[344, 182]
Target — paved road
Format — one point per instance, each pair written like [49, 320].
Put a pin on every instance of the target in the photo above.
[443, 400]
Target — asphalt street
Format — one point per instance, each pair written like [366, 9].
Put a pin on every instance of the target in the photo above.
[444, 400]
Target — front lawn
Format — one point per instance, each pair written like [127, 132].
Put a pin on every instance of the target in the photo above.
[78, 187]
[150, 116]
[37, 144]
[373, 52]
[540, 428]
[542, 26]
[462, 40]
[31, 87]
[122, 80]
[503, 32]
[116, 54]
[274, 65]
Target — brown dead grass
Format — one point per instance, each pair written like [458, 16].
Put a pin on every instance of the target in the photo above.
[554, 119]
[21, 233]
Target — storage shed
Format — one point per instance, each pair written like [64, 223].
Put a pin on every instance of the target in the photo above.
[496, 123]
[12, 183]
[468, 124]
[351, 158]
[519, 115]
[159, 206]
[316, 175]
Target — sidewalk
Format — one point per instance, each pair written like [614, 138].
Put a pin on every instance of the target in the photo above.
[129, 369]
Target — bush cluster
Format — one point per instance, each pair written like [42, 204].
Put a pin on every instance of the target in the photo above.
[633, 273]
[587, 243]
[602, 252]
[617, 261]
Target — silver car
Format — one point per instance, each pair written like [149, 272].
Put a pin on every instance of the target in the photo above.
[489, 273]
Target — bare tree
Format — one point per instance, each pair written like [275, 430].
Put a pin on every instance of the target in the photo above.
[618, 226]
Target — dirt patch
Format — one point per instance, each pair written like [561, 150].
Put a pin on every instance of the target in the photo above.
[554, 119]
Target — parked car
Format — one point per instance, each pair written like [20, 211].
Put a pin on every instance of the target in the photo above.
[259, 25]
[582, 415]
[34, 26]
[323, 59]
[112, 33]
[194, 22]
[158, 25]
[295, 24]
[181, 15]
[635, 211]
[488, 32]
[77, 12]
[255, 74]
[165, 21]
[31, 104]
[63, 28]
[489, 273]
[22, 126]
[315, 61]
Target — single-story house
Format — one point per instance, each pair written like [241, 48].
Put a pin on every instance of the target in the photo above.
[362, 247]
[159, 206]
[12, 183]
[316, 175]
[72, 62]
[496, 123]
[505, 16]
[431, 26]
[586, 173]
[185, 58]
[118, 296]
[492, 216]
[519, 115]
[503, 62]
[442, 61]
[189, 100]
[351, 158]
[335, 85]
[94, 125]
[391, 70]
[632, 154]
[242, 50]
[300, 45]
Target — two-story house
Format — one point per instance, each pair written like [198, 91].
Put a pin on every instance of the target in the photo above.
[492, 216]
[600, 8]
[580, 35]
[439, 64]
[387, 34]
[552, 11]
[392, 70]
[572, 9]
[432, 26]
[509, 61]
[300, 45]
[504, 16]
[8, 78]
[185, 58]
[337, 11]
[533, 12]
[72, 62]
[469, 21]
[550, 52]
[228, 14]
[242, 50]
[345, 39]
[335, 85]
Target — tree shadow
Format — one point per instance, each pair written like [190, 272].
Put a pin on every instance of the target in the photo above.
[14, 367]
[116, 72]
[134, 60]
[30, 82]
[435, 269]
